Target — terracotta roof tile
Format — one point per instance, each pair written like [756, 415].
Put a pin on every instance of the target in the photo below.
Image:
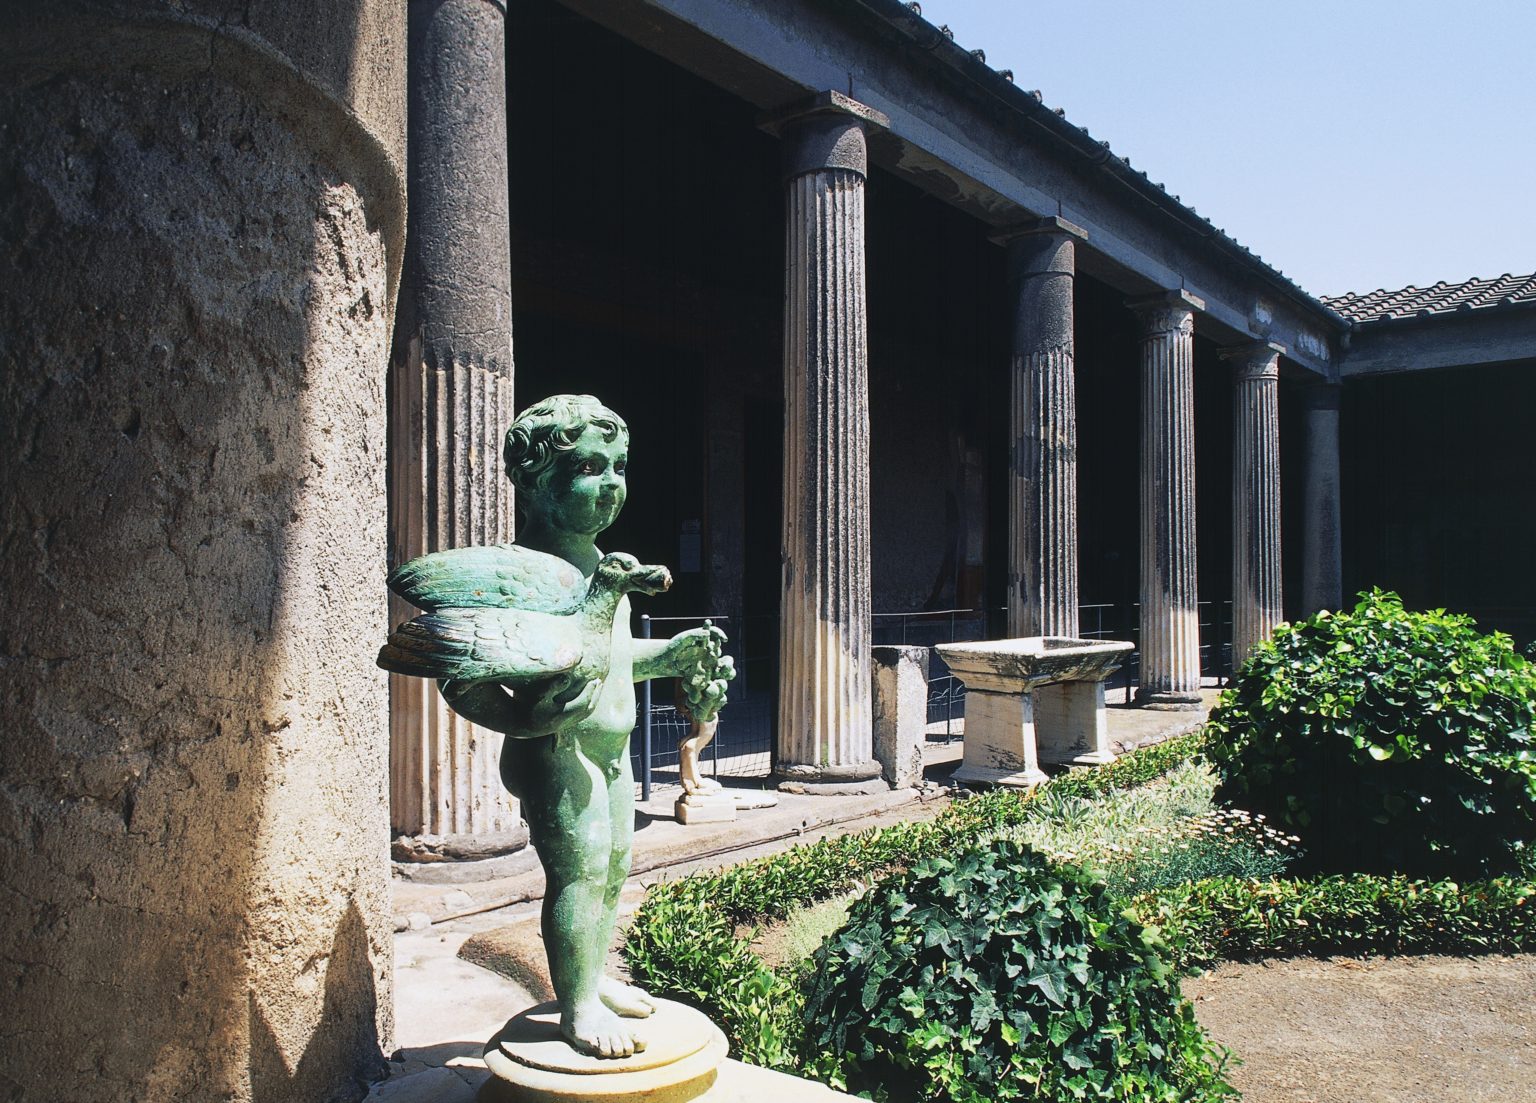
[1442, 298]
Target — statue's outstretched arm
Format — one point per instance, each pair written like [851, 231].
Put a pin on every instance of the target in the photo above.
[680, 656]
[652, 660]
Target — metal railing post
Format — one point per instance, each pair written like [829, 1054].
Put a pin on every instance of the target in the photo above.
[645, 721]
[714, 743]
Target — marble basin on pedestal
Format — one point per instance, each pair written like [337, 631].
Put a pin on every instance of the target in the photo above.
[1032, 700]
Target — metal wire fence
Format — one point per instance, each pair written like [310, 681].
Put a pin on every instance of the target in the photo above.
[743, 746]
[743, 743]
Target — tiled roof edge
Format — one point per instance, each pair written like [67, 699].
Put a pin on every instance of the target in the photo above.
[1439, 300]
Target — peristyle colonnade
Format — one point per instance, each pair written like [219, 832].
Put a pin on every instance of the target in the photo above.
[824, 738]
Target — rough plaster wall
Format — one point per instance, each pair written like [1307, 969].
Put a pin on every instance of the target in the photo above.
[193, 874]
[913, 471]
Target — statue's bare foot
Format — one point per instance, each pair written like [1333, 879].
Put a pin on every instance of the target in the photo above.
[625, 999]
[594, 1029]
[701, 786]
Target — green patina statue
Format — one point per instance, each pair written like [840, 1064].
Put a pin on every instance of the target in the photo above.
[532, 640]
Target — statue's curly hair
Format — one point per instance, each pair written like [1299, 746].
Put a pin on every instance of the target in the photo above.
[545, 429]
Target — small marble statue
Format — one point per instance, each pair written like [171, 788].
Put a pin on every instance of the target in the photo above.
[699, 697]
[533, 640]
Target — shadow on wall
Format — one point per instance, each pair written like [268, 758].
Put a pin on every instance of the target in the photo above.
[340, 1034]
[192, 811]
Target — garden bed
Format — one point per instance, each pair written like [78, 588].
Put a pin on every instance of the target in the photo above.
[693, 939]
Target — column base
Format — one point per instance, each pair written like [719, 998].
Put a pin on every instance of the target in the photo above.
[1012, 779]
[458, 848]
[859, 779]
[1168, 700]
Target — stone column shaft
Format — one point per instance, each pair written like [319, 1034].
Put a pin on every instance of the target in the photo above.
[1042, 460]
[202, 231]
[1256, 586]
[825, 728]
[1322, 569]
[1170, 621]
[451, 391]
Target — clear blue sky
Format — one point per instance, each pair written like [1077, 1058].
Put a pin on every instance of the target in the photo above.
[1353, 145]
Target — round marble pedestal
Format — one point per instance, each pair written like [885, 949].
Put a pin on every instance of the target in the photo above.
[534, 1064]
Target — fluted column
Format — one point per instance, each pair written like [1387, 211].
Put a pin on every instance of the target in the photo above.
[1170, 621]
[1322, 568]
[1256, 601]
[451, 395]
[825, 735]
[1042, 457]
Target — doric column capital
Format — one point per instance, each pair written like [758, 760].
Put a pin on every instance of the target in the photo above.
[1254, 359]
[827, 131]
[1050, 226]
[1167, 311]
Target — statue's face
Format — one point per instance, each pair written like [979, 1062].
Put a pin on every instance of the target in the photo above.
[585, 490]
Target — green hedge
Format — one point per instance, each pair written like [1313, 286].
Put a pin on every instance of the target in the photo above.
[1224, 919]
[684, 943]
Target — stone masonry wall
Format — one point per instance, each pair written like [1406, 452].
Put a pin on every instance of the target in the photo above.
[199, 233]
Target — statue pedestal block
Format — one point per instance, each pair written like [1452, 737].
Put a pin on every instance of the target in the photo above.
[684, 1060]
[717, 807]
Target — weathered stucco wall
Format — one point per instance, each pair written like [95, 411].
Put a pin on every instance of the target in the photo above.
[200, 222]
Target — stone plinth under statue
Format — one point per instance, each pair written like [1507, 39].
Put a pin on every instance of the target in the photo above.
[1032, 700]
[684, 1060]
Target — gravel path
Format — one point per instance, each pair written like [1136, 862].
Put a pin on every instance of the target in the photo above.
[1387, 1030]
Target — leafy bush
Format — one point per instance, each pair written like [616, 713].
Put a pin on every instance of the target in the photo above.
[1159, 834]
[1390, 741]
[996, 975]
[1221, 843]
[1230, 919]
[685, 940]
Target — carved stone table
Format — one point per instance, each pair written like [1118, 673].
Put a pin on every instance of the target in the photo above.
[1032, 700]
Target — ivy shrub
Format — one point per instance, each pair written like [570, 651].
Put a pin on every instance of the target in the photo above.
[998, 975]
[1391, 741]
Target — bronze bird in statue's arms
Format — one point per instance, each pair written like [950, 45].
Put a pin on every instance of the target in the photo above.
[552, 651]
